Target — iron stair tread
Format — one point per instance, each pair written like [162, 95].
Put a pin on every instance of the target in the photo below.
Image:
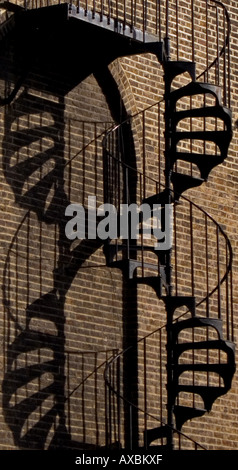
[218, 111]
[212, 136]
[159, 198]
[174, 302]
[182, 176]
[196, 88]
[224, 345]
[185, 413]
[221, 369]
[202, 389]
[204, 162]
[173, 68]
[198, 322]
[153, 434]
[182, 182]
[209, 394]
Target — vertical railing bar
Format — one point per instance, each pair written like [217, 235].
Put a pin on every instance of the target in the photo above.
[218, 49]
[207, 42]
[160, 375]
[96, 396]
[191, 140]
[132, 17]
[177, 28]
[229, 65]
[191, 248]
[27, 260]
[106, 405]
[231, 304]
[135, 12]
[167, 19]
[83, 405]
[207, 267]
[124, 21]
[145, 389]
[131, 427]
[144, 156]
[116, 12]
[144, 18]
[16, 288]
[114, 395]
[193, 362]
[95, 158]
[159, 143]
[225, 64]
[70, 163]
[127, 201]
[118, 398]
[110, 407]
[69, 395]
[109, 12]
[39, 380]
[192, 35]
[227, 298]
[175, 253]
[84, 170]
[160, 37]
[218, 275]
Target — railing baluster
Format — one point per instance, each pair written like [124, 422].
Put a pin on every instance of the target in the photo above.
[225, 61]
[119, 399]
[218, 275]
[207, 266]
[145, 386]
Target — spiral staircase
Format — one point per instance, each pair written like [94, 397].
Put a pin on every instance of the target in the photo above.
[198, 334]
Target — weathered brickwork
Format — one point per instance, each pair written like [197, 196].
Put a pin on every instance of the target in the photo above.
[64, 312]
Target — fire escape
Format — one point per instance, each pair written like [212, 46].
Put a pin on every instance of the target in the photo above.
[198, 331]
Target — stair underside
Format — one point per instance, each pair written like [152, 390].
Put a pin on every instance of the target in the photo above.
[112, 24]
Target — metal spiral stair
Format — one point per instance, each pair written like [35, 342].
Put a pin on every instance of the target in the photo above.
[177, 184]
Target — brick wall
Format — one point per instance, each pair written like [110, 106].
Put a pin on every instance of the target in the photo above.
[63, 310]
